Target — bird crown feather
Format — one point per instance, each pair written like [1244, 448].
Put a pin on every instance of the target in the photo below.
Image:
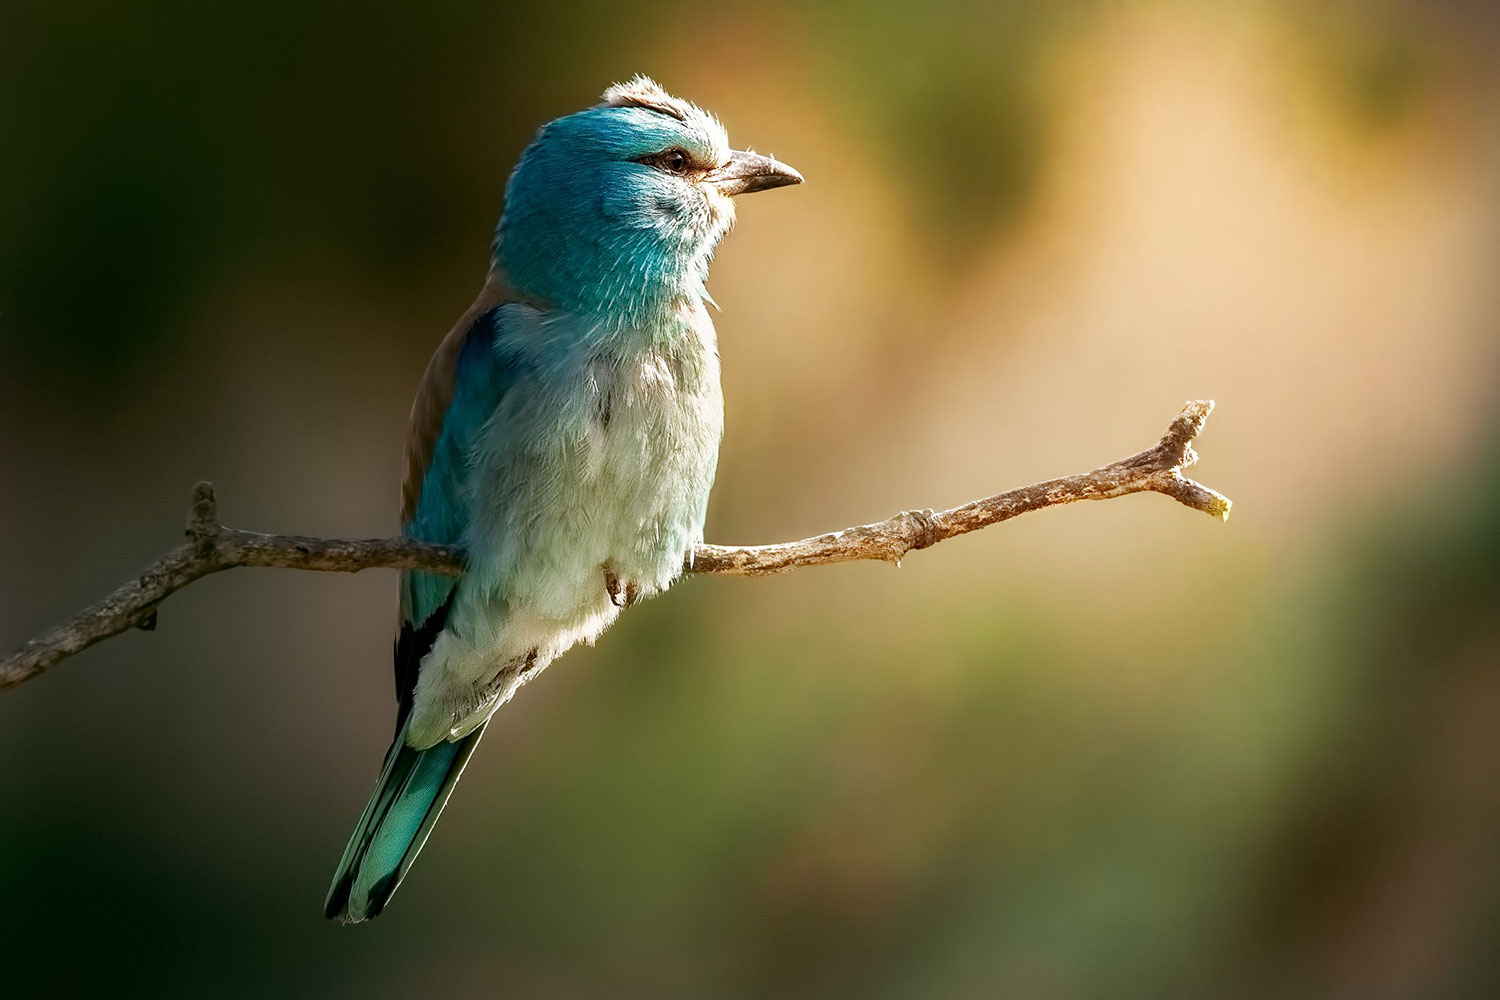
[641, 91]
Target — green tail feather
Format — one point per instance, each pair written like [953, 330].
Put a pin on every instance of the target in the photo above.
[413, 788]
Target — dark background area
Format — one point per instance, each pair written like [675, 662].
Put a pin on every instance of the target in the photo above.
[1111, 750]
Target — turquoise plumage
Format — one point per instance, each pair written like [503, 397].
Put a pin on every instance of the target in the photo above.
[565, 435]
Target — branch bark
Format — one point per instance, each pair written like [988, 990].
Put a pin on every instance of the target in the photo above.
[211, 547]
[1156, 470]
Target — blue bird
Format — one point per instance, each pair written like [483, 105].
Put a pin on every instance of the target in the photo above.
[565, 434]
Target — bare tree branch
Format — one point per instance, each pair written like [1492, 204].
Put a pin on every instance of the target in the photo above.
[211, 547]
[1155, 470]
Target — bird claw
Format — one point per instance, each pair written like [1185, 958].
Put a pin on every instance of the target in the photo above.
[621, 595]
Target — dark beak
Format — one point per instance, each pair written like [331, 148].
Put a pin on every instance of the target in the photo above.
[746, 173]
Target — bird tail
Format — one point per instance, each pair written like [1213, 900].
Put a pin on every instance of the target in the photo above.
[414, 786]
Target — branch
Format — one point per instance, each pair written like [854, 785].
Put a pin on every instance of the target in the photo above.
[211, 547]
[1155, 470]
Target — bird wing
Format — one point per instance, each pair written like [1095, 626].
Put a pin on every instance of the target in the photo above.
[435, 393]
[461, 387]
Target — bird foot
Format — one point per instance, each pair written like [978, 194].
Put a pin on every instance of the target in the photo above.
[621, 594]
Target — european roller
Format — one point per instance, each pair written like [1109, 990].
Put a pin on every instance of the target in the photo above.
[565, 435]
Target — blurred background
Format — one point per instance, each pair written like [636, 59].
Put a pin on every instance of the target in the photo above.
[1103, 751]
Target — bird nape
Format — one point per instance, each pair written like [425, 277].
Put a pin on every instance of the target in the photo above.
[565, 435]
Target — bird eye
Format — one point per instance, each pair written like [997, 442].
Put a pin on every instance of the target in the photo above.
[673, 161]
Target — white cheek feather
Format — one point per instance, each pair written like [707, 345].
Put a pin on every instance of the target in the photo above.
[721, 212]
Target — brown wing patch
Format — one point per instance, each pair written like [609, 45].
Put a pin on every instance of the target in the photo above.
[435, 392]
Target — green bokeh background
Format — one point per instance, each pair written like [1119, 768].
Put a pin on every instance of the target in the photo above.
[1106, 751]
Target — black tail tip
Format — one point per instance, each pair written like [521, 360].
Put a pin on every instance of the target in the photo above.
[336, 906]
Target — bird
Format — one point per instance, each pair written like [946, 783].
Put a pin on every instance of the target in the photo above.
[564, 436]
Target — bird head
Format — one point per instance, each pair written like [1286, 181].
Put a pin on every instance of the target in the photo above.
[615, 211]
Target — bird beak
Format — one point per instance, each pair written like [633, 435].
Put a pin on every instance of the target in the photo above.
[749, 172]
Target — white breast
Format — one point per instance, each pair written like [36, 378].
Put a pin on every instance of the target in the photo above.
[593, 464]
